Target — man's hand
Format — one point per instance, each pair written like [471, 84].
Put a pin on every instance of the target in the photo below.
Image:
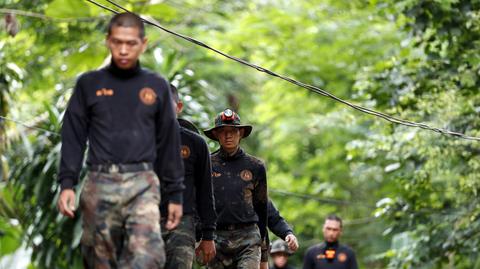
[206, 250]
[175, 212]
[292, 242]
[66, 203]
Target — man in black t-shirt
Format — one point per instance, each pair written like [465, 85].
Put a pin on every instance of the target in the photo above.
[330, 254]
[240, 190]
[197, 200]
[125, 112]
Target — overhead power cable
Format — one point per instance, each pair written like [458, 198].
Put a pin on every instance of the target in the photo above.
[29, 126]
[42, 16]
[302, 196]
[319, 199]
[312, 88]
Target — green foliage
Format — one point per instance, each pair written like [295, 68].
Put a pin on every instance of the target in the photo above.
[303, 136]
[409, 197]
[432, 78]
[68, 9]
[34, 176]
[41, 64]
[11, 234]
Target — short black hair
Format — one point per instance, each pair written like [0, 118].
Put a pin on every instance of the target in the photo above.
[127, 19]
[174, 92]
[334, 218]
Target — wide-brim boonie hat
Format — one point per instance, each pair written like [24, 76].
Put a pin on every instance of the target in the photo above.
[280, 246]
[230, 118]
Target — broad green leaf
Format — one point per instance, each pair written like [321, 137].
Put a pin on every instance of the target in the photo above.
[68, 9]
[162, 11]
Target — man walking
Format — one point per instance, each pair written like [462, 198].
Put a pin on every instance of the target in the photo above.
[280, 253]
[198, 199]
[240, 189]
[330, 254]
[279, 227]
[125, 113]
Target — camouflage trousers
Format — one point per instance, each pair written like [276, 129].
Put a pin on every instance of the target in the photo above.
[265, 252]
[180, 244]
[238, 248]
[121, 221]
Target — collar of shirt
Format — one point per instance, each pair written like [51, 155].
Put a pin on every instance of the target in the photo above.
[124, 73]
[224, 155]
[331, 245]
[188, 125]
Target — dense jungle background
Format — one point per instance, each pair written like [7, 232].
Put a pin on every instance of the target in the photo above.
[409, 197]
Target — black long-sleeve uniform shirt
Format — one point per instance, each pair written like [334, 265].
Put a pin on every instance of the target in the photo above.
[240, 189]
[276, 223]
[127, 117]
[315, 257]
[198, 194]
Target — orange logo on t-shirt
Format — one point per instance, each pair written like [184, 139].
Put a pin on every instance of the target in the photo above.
[330, 254]
[320, 256]
[104, 92]
[185, 152]
[148, 96]
[342, 257]
[246, 175]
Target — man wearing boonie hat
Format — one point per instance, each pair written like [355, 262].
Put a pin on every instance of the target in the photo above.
[240, 190]
[279, 227]
[280, 253]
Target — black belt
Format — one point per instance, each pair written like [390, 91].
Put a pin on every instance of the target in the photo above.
[121, 168]
[236, 226]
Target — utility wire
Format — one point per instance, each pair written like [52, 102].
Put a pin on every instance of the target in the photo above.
[318, 199]
[302, 196]
[42, 16]
[298, 83]
[29, 126]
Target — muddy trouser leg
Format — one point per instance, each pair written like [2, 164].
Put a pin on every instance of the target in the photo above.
[237, 249]
[223, 258]
[102, 224]
[143, 245]
[250, 253]
[87, 206]
[264, 253]
[265, 250]
[180, 244]
[88, 203]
